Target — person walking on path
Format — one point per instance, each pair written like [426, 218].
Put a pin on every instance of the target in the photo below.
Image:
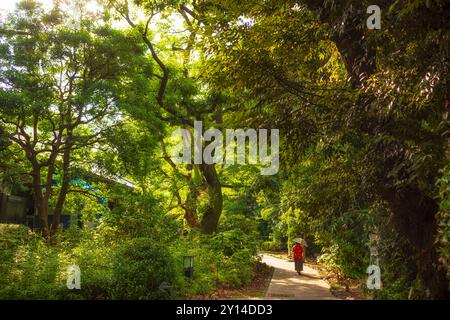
[298, 254]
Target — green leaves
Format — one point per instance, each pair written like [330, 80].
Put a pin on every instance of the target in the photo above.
[443, 219]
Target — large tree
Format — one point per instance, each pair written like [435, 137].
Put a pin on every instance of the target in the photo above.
[180, 100]
[293, 60]
[60, 87]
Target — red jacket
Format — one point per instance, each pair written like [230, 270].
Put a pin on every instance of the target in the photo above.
[298, 252]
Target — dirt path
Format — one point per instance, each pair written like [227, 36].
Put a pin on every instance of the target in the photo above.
[286, 284]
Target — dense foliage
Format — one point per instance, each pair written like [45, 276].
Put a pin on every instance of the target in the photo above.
[89, 99]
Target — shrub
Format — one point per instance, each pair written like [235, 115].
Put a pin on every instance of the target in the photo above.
[95, 261]
[205, 273]
[140, 266]
[224, 259]
[235, 254]
[237, 270]
[443, 220]
[272, 246]
[29, 266]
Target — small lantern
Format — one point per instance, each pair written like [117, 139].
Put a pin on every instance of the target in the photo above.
[189, 266]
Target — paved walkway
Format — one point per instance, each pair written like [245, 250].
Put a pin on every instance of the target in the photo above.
[286, 284]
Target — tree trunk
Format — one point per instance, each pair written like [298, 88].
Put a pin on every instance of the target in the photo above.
[59, 204]
[41, 204]
[65, 184]
[38, 198]
[414, 219]
[212, 214]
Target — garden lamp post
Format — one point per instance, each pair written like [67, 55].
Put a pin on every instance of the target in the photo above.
[189, 266]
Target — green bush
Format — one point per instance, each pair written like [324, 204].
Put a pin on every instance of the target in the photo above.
[30, 268]
[120, 267]
[204, 277]
[95, 261]
[237, 270]
[273, 246]
[140, 266]
[225, 259]
[443, 220]
[235, 255]
[397, 289]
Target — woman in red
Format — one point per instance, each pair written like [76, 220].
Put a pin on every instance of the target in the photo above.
[297, 253]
